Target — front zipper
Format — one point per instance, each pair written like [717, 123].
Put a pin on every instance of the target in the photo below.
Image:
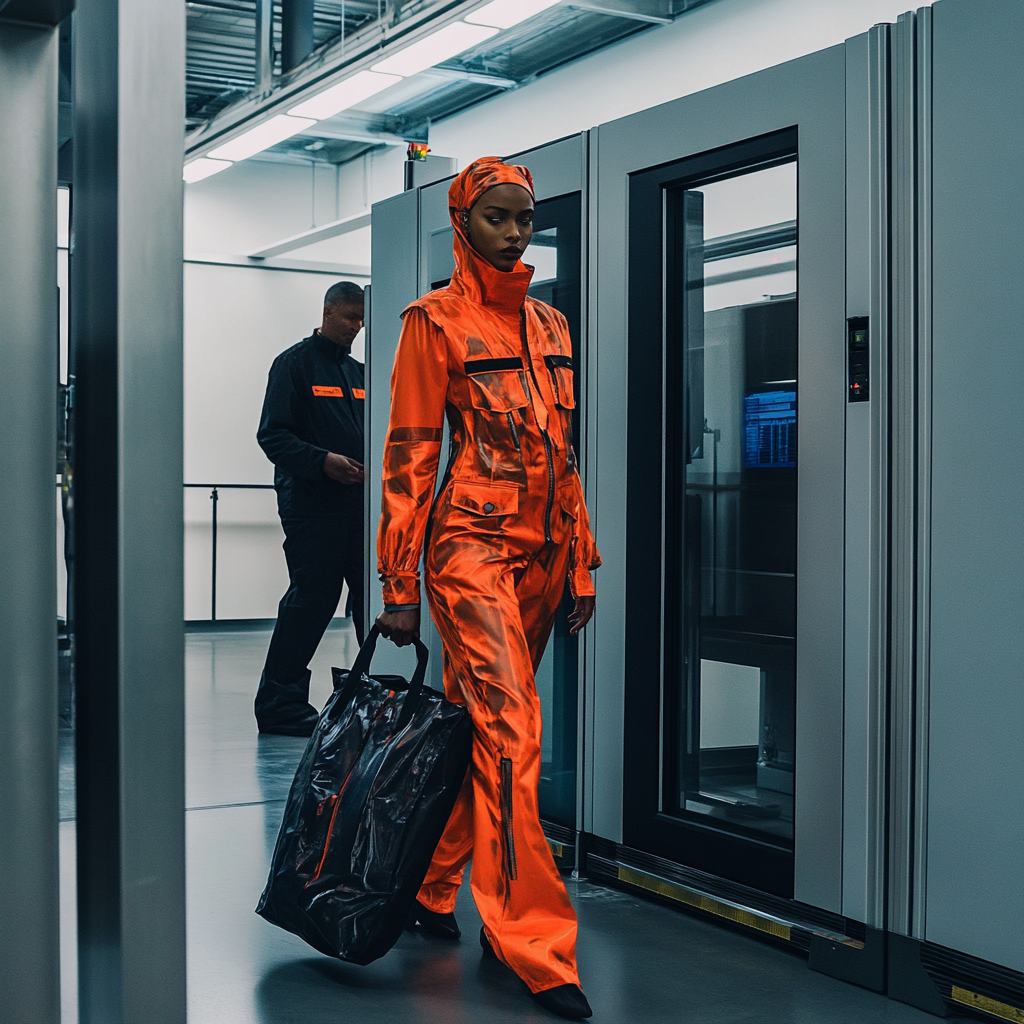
[515, 435]
[506, 818]
[551, 486]
[544, 434]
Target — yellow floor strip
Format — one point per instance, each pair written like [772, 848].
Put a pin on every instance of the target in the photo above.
[993, 1006]
[706, 903]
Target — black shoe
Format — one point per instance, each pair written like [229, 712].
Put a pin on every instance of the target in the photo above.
[566, 1001]
[485, 945]
[444, 926]
[300, 721]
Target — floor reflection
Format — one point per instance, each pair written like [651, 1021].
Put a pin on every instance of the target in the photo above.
[641, 963]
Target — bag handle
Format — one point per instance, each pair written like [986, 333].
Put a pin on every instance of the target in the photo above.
[361, 667]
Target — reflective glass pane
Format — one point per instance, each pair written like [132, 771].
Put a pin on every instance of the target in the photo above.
[734, 258]
[554, 253]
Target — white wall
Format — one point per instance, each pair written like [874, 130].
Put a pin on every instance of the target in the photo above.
[717, 43]
[237, 320]
[256, 202]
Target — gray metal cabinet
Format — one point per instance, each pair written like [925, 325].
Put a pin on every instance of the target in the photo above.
[804, 101]
[971, 542]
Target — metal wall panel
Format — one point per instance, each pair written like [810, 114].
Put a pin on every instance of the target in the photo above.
[29, 875]
[394, 259]
[975, 882]
[557, 168]
[865, 665]
[126, 321]
[903, 471]
[810, 93]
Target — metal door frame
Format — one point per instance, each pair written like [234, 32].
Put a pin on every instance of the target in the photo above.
[808, 93]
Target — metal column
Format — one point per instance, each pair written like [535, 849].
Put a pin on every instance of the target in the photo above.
[126, 320]
[29, 876]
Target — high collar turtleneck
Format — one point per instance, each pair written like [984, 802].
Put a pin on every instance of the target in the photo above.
[474, 277]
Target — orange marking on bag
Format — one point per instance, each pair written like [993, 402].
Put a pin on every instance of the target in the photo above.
[321, 391]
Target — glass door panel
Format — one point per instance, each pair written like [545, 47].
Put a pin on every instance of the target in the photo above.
[555, 253]
[730, 492]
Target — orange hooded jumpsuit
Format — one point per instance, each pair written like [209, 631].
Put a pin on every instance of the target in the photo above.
[506, 529]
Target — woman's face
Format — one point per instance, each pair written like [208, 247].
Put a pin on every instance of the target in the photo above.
[501, 225]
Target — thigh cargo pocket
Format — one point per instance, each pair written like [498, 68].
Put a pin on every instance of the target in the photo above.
[485, 499]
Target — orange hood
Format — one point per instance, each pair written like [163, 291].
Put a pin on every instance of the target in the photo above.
[474, 277]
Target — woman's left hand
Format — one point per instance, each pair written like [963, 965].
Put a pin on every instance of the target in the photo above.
[582, 613]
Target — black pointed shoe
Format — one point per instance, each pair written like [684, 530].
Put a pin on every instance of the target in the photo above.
[566, 1001]
[485, 945]
[444, 926]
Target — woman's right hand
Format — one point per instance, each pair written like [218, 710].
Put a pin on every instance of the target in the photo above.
[400, 627]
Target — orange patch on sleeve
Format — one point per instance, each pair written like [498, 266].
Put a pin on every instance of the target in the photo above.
[358, 393]
[325, 392]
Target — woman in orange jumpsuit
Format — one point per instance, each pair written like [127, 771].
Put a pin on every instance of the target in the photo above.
[506, 529]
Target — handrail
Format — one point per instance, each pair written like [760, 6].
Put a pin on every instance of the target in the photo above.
[214, 490]
[249, 487]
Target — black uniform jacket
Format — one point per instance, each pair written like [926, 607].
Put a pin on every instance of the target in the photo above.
[314, 405]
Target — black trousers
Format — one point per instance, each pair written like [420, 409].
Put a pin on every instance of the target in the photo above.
[321, 553]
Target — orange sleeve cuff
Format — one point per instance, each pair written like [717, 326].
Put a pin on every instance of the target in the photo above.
[401, 588]
[581, 583]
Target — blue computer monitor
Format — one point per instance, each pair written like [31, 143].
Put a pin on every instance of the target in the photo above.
[769, 429]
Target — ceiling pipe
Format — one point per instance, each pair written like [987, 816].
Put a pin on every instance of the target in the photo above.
[296, 33]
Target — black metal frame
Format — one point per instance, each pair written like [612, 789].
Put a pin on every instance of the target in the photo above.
[756, 862]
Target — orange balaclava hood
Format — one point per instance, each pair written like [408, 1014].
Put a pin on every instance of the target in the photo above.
[479, 177]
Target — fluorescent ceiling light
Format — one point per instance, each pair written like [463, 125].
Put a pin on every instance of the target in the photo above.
[434, 49]
[262, 137]
[203, 168]
[344, 95]
[506, 13]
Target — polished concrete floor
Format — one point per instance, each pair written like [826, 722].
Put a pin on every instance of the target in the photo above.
[641, 963]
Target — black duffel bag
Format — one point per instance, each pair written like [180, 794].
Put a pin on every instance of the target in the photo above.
[370, 799]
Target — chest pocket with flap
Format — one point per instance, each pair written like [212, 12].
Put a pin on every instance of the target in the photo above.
[560, 368]
[496, 385]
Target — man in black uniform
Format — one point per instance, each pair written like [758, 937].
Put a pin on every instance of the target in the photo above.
[312, 430]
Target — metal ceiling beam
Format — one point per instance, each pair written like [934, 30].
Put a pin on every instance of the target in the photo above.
[376, 129]
[331, 65]
[313, 235]
[478, 77]
[618, 11]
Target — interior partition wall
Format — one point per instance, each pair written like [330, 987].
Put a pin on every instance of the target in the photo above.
[29, 877]
[126, 346]
[958, 864]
